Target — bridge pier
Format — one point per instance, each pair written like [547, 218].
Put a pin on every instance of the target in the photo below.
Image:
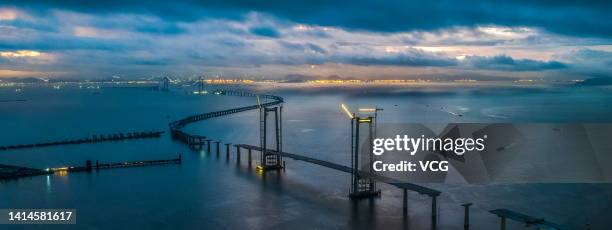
[405, 202]
[237, 154]
[466, 216]
[208, 146]
[434, 212]
[249, 157]
[217, 143]
[227, 151]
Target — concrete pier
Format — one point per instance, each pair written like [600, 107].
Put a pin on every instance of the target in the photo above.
[218, 150]
[208, 146]
[227, 151]
[237, 154]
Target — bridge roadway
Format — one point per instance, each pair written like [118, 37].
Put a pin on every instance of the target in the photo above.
[190, 139]
[177, 125]
[343, 168]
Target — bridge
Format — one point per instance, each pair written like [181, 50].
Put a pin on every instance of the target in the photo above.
[504, 214]
[363, 174]
[191, 139]
[198, 141]
[267, 155]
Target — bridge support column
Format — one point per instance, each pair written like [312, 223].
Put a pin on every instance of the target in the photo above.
[237, 154]
[466, 216]
[503, 223]
[405, 202]
[434, 212]
[217, 143]
[250, 157]
[227, 151]
[208, 146]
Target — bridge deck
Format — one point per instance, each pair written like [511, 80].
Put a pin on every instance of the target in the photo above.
[529, 220]
[343, 168]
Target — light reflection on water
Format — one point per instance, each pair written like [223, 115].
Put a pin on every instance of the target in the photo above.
[207, 191]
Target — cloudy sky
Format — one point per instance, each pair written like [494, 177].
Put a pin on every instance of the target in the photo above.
[273, 39]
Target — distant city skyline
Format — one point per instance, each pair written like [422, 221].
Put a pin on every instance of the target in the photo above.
[278, 39]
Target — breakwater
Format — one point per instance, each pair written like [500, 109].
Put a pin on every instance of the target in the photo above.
[91, 139]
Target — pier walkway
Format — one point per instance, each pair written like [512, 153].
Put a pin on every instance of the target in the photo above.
[8, 172]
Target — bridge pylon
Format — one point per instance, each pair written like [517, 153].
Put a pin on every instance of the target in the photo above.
[165, 84]
[270, 159]
[361, 187]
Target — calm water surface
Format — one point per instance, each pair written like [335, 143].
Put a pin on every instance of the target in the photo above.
[207, 191]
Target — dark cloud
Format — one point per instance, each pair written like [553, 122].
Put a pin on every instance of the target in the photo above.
[303, 47]
[507, 63]
[316, 48]
[136, 37]
[24, 24]
[403, 60]
[589, 62]
[592, 55]
[265, 32]
[62, 43]
[579, 18]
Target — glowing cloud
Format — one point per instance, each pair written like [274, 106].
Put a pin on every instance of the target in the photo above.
[8, 14]
[20, 53]
[91, 32]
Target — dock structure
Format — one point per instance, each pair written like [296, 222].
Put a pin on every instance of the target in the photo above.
[91, 139]
[89, 166]
[504, 214]
[15, 172]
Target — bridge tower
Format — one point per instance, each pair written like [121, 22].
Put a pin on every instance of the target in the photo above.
[270, 159]
[361, 187]
[165, 83]
[201, 84]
